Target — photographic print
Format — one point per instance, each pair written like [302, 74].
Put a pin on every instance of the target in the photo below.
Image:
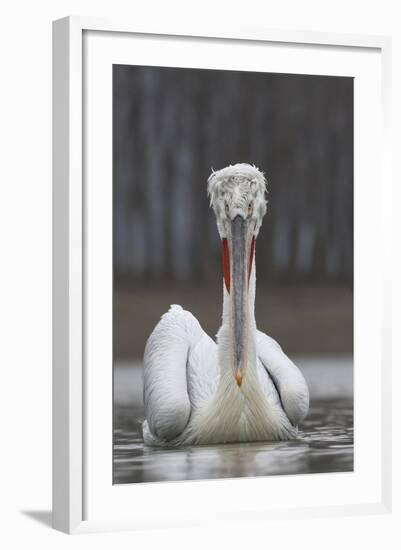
[232, 274]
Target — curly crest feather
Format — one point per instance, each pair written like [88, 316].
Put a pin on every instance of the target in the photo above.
[232, 189]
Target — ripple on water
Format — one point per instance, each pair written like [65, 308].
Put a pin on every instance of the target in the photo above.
[325, 444]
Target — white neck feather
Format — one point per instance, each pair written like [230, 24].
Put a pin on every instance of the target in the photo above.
[238, 413]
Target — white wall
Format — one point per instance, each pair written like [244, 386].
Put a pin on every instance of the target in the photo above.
[25, 246]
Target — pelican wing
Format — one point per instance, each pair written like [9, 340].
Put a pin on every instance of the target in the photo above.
[288, 379]
[166, 398]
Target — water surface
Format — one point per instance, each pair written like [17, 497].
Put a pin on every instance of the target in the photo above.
[325, 444]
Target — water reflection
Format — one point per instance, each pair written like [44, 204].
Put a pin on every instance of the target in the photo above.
[325, 444]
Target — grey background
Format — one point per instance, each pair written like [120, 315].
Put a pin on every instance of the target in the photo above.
[171, 126]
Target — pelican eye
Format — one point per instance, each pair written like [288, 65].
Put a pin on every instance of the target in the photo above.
[226, 207]
[250, 208]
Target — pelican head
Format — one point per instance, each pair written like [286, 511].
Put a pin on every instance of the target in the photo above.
[237, 195]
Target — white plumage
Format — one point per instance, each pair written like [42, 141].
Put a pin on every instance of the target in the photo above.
[242, 388]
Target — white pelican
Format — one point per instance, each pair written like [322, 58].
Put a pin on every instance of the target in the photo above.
[244, 388]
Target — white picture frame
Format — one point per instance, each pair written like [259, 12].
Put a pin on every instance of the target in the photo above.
[76, 479]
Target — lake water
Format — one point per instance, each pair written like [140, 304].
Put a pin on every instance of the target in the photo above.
[325, 444]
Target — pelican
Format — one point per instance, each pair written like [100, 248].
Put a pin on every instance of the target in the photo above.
[242, 388]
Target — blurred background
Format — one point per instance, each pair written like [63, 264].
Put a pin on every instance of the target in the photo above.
[170, 128]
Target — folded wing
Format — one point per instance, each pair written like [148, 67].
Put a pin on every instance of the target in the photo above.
[288, 379]
[166, 398]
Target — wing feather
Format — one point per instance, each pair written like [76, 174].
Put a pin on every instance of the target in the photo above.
[290, 383]
[166, 399]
